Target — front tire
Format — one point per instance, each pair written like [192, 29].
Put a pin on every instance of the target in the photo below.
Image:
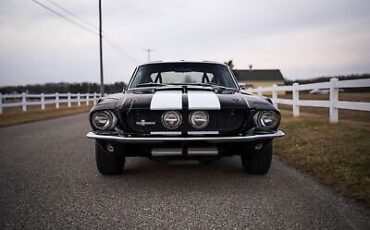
[108, 163]
[258, 161]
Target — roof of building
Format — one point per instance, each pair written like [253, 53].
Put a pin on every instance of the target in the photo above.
[258, 75]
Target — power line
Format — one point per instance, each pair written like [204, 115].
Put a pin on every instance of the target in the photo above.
[92, 30]
[117, 48]
[65, 17]
[106, 38]
[73, 15]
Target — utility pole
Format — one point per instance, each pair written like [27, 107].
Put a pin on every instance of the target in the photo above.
[101, 52]
[148, 51]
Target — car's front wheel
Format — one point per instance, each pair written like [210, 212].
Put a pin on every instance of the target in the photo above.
[258, 161]
[108, 163]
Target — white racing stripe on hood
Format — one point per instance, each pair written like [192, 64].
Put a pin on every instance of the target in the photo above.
[203, 100]
[166, 100]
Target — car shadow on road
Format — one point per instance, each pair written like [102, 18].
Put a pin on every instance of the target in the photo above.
[141, 166]
[225, 174]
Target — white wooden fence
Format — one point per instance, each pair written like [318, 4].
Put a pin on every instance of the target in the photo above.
[333, 103]
[24, 100]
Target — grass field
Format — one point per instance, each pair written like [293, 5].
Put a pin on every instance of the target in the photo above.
[337, 154]
[14, 116]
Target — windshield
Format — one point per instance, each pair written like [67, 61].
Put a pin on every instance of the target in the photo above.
[160, 74]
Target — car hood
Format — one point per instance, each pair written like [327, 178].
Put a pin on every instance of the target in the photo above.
[199, 98]
[192, 99]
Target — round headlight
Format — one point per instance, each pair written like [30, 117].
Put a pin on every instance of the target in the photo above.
[199, 119]
[103, 120]
[266, 120]
[171, 119]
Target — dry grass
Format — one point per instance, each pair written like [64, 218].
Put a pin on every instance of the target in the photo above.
[344, 114]
[14, 116]
[337, 154]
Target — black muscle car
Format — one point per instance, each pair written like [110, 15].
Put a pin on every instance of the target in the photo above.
[191, 110]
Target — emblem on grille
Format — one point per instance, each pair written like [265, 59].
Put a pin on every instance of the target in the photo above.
[144, 123]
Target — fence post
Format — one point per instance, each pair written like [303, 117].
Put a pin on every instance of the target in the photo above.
[94, 98]
[24, 102]
[274, 94]
[1, 103]
[87, 99]
[42, 101]
[69, 99]
[259, 92]
[57, 100]
[333, 109]
[295, 99]
[78, 100]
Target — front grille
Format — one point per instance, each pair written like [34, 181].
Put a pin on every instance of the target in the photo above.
[229, 121]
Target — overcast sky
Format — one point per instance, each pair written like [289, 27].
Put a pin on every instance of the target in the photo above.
[302, 38]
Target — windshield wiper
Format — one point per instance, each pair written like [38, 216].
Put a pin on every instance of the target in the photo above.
[149, 84]
[214, 86]
[226, 88]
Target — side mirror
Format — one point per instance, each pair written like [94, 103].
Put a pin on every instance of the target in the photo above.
[242, 86]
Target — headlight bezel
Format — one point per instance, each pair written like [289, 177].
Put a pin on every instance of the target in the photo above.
[166, 125]
[194, 113]
[112, 120]
[260, 123]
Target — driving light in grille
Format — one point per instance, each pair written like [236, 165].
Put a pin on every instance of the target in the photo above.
[266, 120]
[199, 119]
[171, 119]
[103, 120]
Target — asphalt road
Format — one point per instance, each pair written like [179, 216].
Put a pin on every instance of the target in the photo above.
[49, 180]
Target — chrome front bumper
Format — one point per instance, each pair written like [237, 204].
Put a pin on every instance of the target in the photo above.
[210, 139]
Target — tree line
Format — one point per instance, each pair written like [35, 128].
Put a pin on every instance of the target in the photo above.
[88, 87]
[63, 87]
[327, 78]
[321, 79]
[340, 77]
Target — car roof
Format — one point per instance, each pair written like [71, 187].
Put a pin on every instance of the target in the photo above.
[182, 61]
